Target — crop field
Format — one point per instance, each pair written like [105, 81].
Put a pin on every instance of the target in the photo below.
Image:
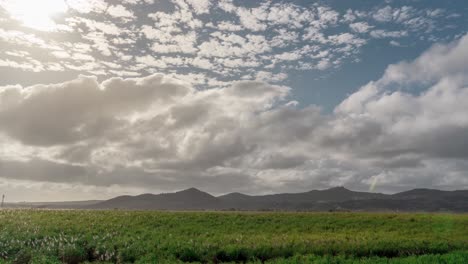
[67, 236]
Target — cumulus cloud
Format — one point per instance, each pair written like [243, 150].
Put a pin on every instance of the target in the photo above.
[77, 110]
[430, 124]
[158, 131]
[148, 124]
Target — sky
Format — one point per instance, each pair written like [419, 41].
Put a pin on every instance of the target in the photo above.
[103, 98]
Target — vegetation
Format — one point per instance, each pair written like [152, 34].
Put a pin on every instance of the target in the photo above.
[66, 236]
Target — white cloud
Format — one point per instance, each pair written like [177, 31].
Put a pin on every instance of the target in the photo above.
[270, 77]
[417, 123]
[61, 54]
[93, 26]
[100, 43]
[83, 57]
[229, 26]
[395, 43]
[130, 2]
[119, 11]
[30, 65]
[327, 16]
[172, 20]
[289, 14]
[177, 44]
[384, 14]
[225, 45]
[346, 38]
[250, 18]
[17, 53]
[200, 6]
[202, 63]
[87, 6]
[380, 33]
[284, 38]
[360, 27]
[288, 56]
[151, 61]
[349, 16]
[237, 63]
[20, 38]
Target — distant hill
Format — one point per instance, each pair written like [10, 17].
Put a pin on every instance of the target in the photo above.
[190, 199]
[333, 199]
[294, 201]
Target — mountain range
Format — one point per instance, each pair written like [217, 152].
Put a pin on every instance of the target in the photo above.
[333, 199]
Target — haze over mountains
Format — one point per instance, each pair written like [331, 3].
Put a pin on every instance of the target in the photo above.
[333, 199]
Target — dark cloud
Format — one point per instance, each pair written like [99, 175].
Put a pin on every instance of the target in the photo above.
[43, 170]
[80, 109]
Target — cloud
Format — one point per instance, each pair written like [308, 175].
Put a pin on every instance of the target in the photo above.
[435, 64]
[87, 6]
[200, 6]
[231, 44]
[77, 110]
[119, 11]
[271, 77]
[27, 40]
[250, 18]
[158, 131]
[106, 126]
[380, 33]
[213, 111]
[93, 25]
[226, 26]
[405, 123]
[384, 14]
[30, 65]
[144, 131]
[211, 37]
[395, 43]
[360, 27]
[289, 14]
[414, 19]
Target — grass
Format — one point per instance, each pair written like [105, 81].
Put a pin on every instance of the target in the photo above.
[60, 236]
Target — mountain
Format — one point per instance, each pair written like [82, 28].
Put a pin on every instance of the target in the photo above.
[190, 199]
[431, 194]
[294, 201]
[333, 199]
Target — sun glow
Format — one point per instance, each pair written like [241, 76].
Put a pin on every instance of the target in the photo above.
[37, 14]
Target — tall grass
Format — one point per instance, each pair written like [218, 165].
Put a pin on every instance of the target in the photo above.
[47, 236]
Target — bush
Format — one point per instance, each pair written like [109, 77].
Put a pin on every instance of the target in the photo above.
[73, 255]
[188, 255]
[23, 257]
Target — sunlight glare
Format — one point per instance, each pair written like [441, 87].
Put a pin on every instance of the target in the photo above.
[35, 14]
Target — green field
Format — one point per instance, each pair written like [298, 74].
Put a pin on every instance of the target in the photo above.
[46, 236]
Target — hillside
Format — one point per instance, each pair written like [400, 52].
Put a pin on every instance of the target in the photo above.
[338, 198]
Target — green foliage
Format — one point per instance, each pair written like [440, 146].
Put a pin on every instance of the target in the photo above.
[62, 236]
